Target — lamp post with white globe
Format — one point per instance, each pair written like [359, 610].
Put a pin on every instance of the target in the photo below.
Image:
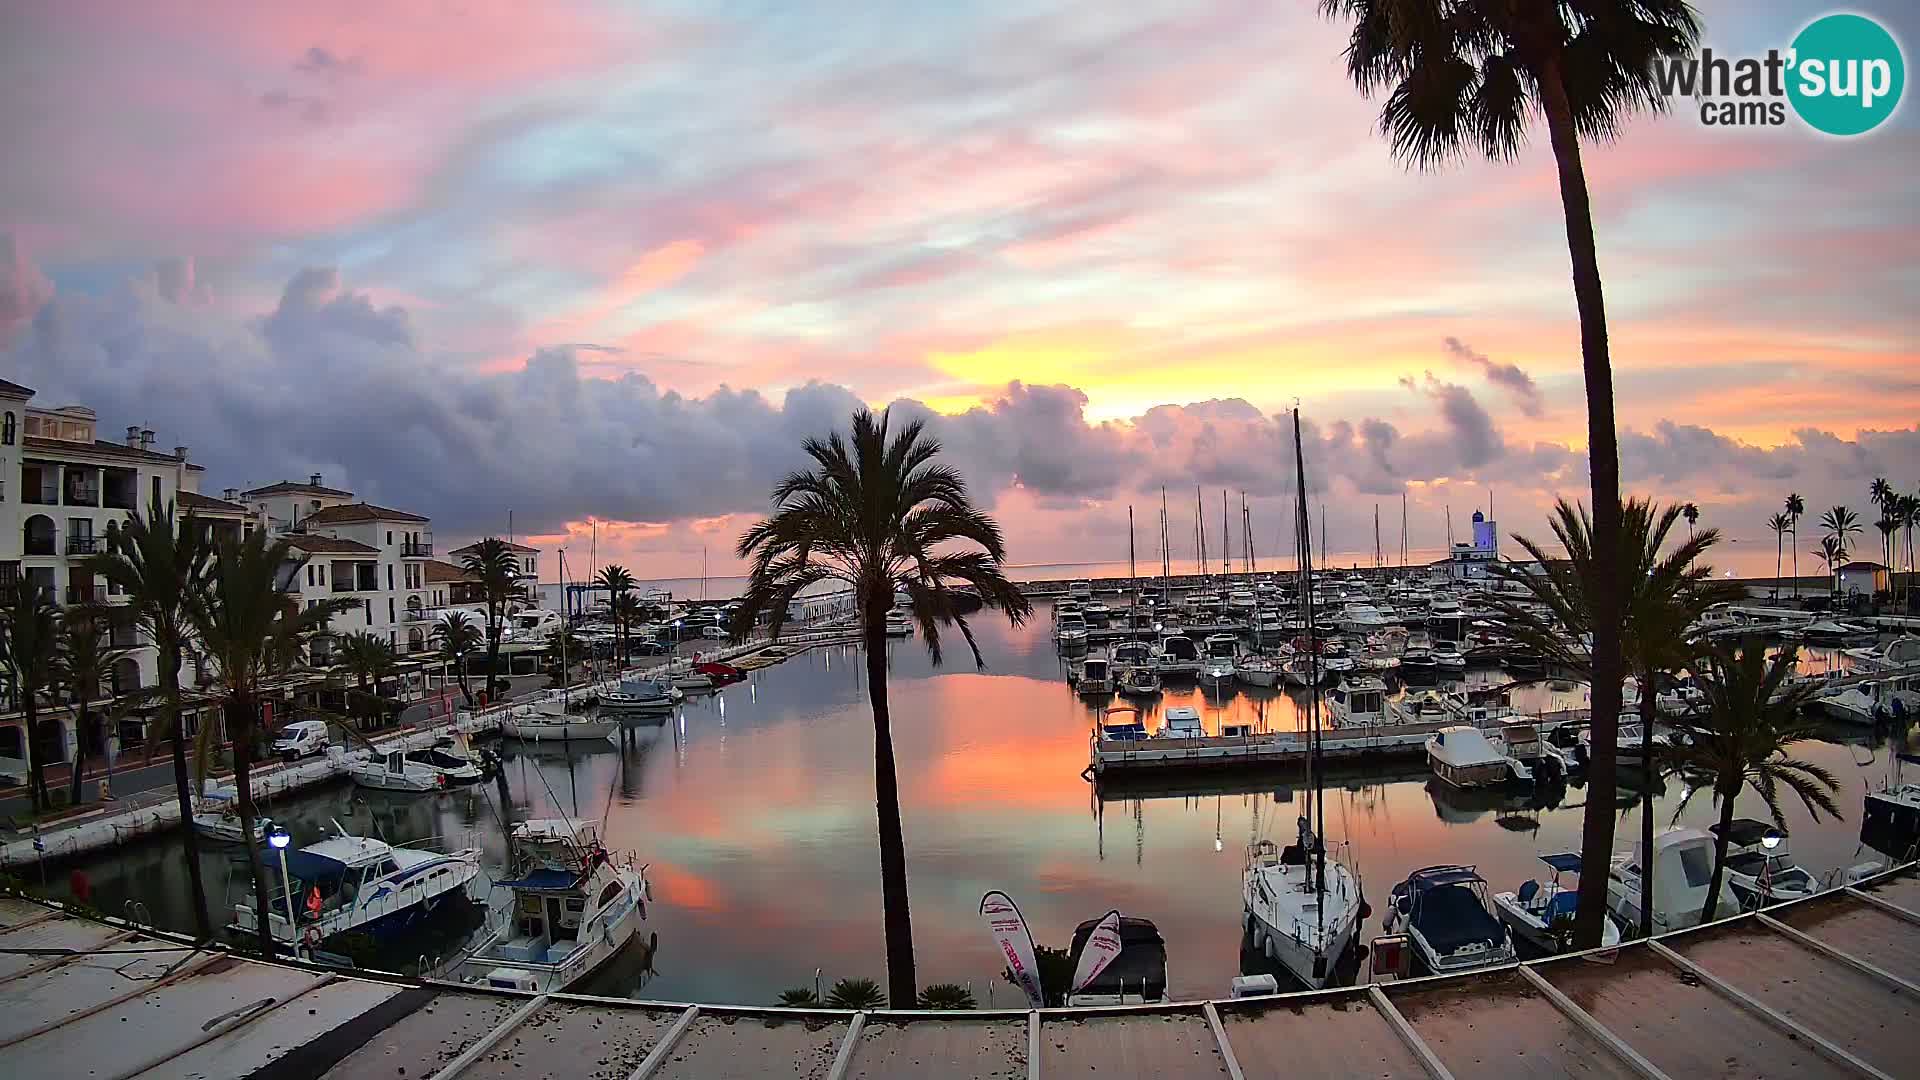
[278, 838]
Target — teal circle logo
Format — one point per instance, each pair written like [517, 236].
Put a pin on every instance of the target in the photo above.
[1847, 74]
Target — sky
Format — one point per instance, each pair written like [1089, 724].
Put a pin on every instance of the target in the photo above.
[606, 265]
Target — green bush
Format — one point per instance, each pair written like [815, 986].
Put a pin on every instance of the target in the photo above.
[947, 996]
[856, 994]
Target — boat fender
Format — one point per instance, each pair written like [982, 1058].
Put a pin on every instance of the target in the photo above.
[311, 939]
[1366, 911]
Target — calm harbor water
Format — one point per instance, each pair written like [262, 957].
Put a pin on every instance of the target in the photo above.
[754, 806]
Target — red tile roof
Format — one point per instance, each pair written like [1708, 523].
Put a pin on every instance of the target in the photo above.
[354, 512]
[442, 573]
[193, 500]
[327, 545]
[288, 487]
[105, 449]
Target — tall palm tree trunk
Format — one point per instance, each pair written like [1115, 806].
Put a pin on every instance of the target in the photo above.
[36, 751]
[1648, 770]
[1796, 561]
[239, 716]
[1603, 454]
[1777, 538]
[901, 987]
[82, 739]
[183, 789]
[1728, 790]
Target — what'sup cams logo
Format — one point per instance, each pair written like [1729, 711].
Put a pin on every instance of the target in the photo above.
[1843, 75]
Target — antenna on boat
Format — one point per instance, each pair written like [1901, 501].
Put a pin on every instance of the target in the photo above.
[1316, 801]
[1226, 539]
[1133, 575]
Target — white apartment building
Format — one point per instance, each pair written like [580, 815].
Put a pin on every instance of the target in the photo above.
[62, 491]
[372, 555]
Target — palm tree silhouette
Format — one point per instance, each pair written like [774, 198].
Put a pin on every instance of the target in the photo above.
[1466, 77]
[1795, 506]
[880, 516]
[492, 565]
[1779, 523]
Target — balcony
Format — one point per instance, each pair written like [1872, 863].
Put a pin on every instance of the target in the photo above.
[82, 594]
[416, 549]
[341, 586]
[34, 495]
[86, 545]
[82, 496]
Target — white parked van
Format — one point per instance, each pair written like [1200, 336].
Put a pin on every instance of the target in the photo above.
[302, 738]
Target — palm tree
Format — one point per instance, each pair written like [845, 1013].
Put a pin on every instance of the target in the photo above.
[250, 627]
[615, 579]
[30, 657]
[1833, 554]
[855, 994]
[1880, 493]
[626, 610]
[1841, 524]
[1795, 506]
[369, 658]
[1692, 514]
[1909, 507]
[1779, 523]
[1465, 76]
[1754, 717]
[87, 657]
[880, 516]
[457, 637]
[1666, 594]
[162, 565]
[1889, 527]
[492, 566]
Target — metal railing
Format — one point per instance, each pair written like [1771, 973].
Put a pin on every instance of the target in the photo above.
[86, 545]
[416, 549]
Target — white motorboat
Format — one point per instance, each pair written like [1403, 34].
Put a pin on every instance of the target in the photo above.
[1217, 673]
[573, 911]
[1096, 677]
[1177, 656]
[1897, 653]
[1683, 874]
[1362, 619]
[1465, 757]
[1137, 974]
[1448, 655]
[549, 721]
[1257, 670]
[1080, 590]
[452, 759]
[1890, 823]
[1303, 920]
[642, 695]
[1303, 670]
[1833, 632]
[1630, 747]
[1122, 723]
[686, 675]
[1428, 707]
[356, 883]
[216, 816]
[1541, 915]
[1141, 681]
[1759, 870]
[1358, 701]
[1070, 630]
[393, 772]
[1181, 722]
[1891, 698]
[1221, 647]
[1450, 921]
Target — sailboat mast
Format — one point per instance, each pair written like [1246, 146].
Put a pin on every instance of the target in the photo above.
[564, 702]
[1246, 531]
[1166, 548]
[1226, 540]
[1317, 800]
[1199, 532]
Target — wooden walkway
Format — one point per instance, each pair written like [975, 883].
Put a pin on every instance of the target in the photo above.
[1824, 987]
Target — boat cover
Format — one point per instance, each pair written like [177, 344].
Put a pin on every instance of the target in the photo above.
[1450, 916]
[1565, 862]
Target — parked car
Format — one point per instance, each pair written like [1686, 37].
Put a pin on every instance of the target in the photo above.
[302, 738]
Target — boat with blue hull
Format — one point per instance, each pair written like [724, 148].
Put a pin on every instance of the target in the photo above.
[358, 884]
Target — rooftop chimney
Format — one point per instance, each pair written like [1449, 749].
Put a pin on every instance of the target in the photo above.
[133, 434]
[146, 438]
[180, 453]
[314, 479]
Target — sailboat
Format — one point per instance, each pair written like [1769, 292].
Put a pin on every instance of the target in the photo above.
[1302, 910]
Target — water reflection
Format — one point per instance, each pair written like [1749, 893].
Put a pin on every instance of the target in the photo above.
[754, 807]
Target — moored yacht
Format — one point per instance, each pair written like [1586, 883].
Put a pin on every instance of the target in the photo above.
[1358, 701]
[1759, 869]
[573, 911]
[1177, 656]
[1139, 681]
[392, 771]
[1096, 677]
[1257, 670]
[216, 816]
[549, 721]
[1300, 918]
[1541, 915]
[1683, 874]
[641, 695]
[356, 883]
[1181, 722]
[1448, 918]
[1889, 698]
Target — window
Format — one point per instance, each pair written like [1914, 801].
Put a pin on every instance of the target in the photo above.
[1696, 865]
[156, 491]
[609, 894]
[389, 537]
[323, 573]
[390, 599]
[6, 430]
[309, 577]
[389, 575]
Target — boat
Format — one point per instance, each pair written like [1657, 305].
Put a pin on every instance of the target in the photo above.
[1270, 627]
[1177, 656]
[686, 675]
[393, 772]
[1141, 681]
[573, 911]
[1257, 670]
[1304, 671]
[1533, 910]
[1464, 757]
[1448, 656]
[1221, 647]
[1833, 632]
[1362, 619]
[1080, 590]
[1759, 870]
[452, 759]
[356, 883]
[1683, 859]
[1897, 653]
[216, 816]
[1181, 722]
[1890, 698]
[1070, 631]
[1137, 974]
[1630, 747]
[1358, 701]
[1122, 723]
[1450, 921]
[1096, 677]
[897, 625]
[1427, 707]
[1217, 673]
[549, 721]
[1301, 914]
[642, 695]
[1890, 822]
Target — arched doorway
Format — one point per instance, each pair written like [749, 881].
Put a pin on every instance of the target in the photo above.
[125, 676]
[50, 742]
[416, 641]
[38, 536]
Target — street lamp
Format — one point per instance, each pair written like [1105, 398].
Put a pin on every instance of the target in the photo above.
[278, 839]
[1768, 840]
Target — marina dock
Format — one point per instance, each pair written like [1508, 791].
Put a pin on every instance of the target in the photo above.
[1825, 986]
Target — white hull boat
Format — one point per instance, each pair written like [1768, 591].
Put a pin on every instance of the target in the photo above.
[393, 772]
[356, 883]
[217, 817]
[1450, 921]
[1680, 882]
[1540, 915]
[1257, 671]
[1759, 871]
[549, 721]
[642, 695]
[1292, 921]
[1096, 678]
[1881, 700]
